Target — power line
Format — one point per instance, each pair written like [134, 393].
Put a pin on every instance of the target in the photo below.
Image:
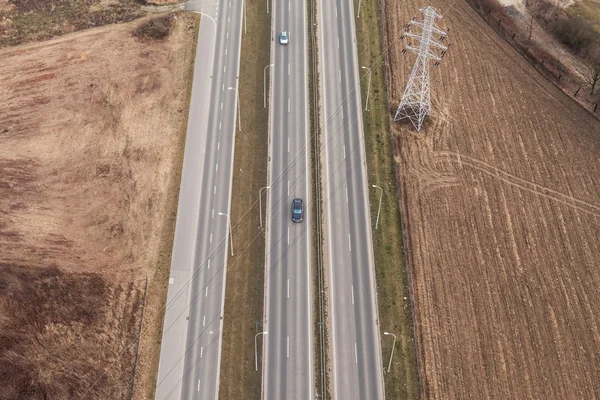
[248, 214]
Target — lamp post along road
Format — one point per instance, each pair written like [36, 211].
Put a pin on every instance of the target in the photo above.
[265, 83]
[393, 345]
[260, 202]
[358, 9]
[238, 107]
[255, 352]
[369, 87]
[379, 208]
[230, 233]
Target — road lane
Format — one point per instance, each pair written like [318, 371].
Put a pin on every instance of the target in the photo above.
[191, 344]
[288, 350]
[357, 371]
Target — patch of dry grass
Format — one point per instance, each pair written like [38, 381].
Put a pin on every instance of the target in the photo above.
[34, 20]
[245, 273]
[92, 127]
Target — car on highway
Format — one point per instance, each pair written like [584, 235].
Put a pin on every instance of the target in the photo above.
[297, 210]
[284, 38]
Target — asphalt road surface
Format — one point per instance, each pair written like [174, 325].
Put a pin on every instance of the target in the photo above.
[191, 343]
[288, 345]
[356, 365]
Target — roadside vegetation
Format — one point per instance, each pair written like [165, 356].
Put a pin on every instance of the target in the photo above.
[158, 28]
[395, 314]
[35, 20]
[245, 272]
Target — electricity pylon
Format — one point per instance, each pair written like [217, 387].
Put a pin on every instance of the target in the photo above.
[416, 102]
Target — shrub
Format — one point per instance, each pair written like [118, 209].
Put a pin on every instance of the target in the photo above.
[575, 33]
[158, 28]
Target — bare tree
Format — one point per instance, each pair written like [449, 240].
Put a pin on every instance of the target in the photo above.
[593, 69]
[532, 7]
[559, 5]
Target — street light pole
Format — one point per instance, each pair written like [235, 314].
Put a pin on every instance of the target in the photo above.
[244, 3]
[358, 8]
[260, 202]
[230, 233]
[369, 87]
[255, 352]
[265, 83]
[393, 345]
[268, 6]
[379, 208]
[238, 107]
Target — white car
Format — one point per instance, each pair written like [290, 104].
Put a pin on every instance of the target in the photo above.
[284, 38]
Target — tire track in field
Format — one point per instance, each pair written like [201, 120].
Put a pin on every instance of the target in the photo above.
[511, 179]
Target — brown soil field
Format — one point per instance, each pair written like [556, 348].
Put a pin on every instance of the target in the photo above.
[92, 127]
[500, 195]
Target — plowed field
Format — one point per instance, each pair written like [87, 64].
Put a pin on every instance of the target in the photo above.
[501, 204]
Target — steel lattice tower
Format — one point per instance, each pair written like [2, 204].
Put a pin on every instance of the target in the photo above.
[416, 103]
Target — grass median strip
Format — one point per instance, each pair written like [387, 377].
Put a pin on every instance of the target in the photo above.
[395, 314]
[245, 273]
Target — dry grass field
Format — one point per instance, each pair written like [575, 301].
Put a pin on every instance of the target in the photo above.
[500, 195]
[92, 126]
[34, 20]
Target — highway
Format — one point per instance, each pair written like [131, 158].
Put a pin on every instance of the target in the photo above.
[288, 346]
[191, 342]
[355, 349]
